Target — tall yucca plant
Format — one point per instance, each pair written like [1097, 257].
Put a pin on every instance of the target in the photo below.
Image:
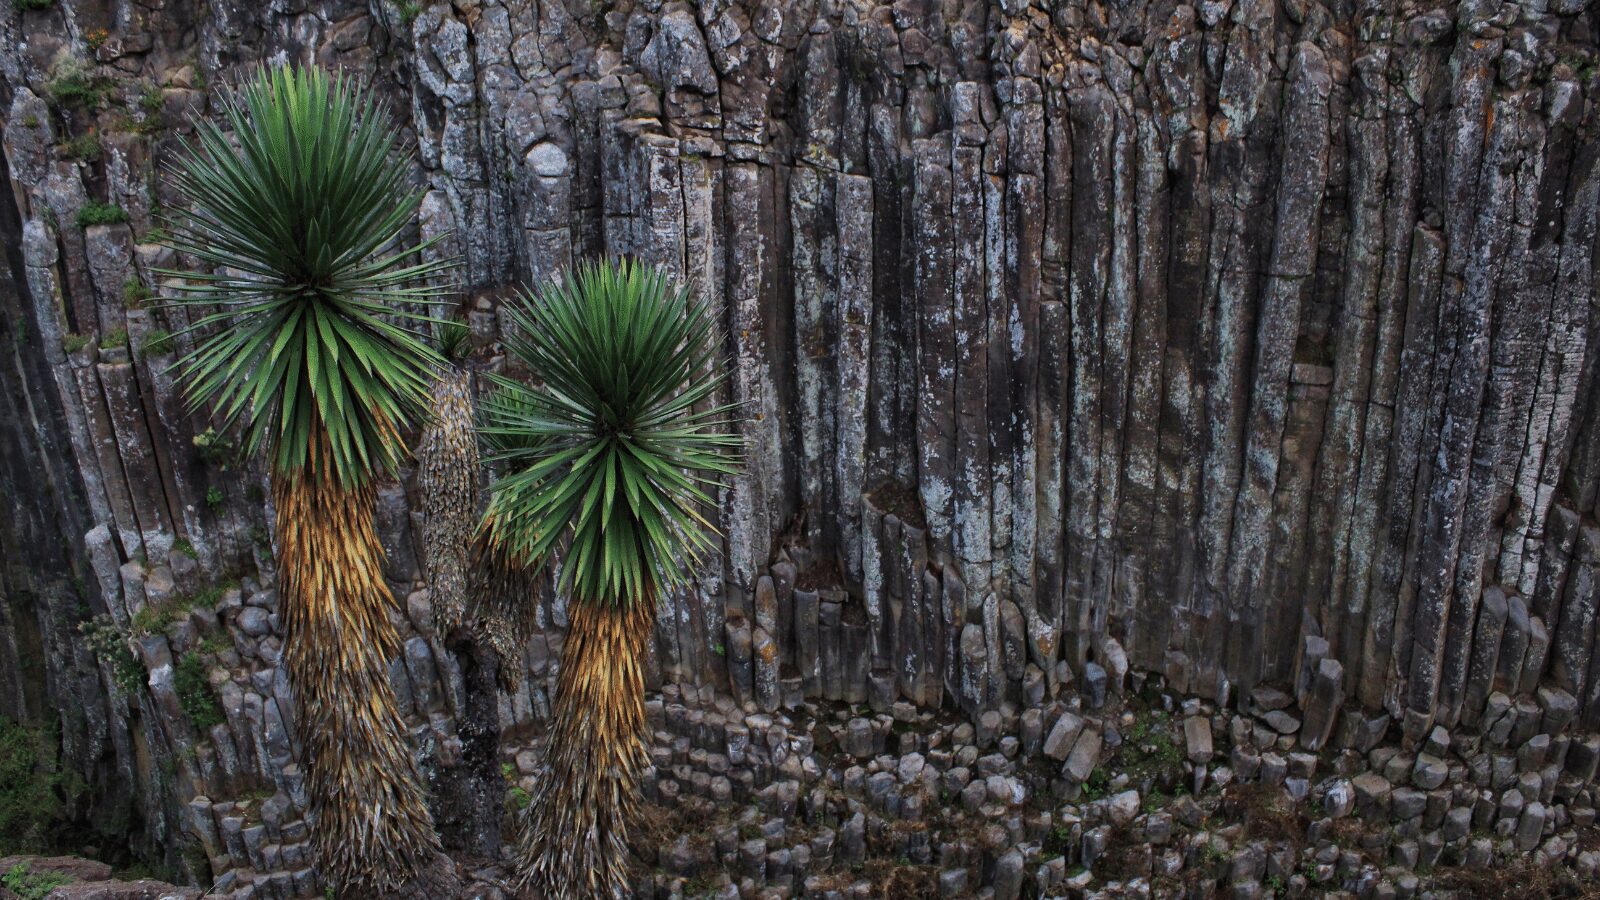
[611, 453]
[297, 207]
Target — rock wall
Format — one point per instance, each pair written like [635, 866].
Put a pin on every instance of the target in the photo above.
[1244, 343]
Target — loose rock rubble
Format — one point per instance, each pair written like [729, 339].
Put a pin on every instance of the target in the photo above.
[1150, 793]
[838, 801]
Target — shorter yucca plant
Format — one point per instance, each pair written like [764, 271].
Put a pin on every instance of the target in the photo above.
[612, 455]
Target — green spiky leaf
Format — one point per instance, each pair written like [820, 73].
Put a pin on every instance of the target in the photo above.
[297, 207]
[613, 453]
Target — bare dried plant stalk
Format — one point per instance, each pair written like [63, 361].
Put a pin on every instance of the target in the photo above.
[447, 479]
[501, 606]
[371, 826]
[473, 585]
[574, 841]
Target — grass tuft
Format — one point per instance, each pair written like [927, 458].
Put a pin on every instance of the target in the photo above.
[30, 805]
[74, 84]
[191, 681]
[158, 343]
[83, 148]
[107, 642]
[97, 213]
[28, 885]
[134, 293]
[156, 618]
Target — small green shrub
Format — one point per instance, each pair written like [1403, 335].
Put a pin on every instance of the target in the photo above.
[31, 5]
[516, 795]
[198, 864]
[158, 343]
[107, 642]
[134, 293]
[83, 148]
[156, 618]
[519, 798]
[213, 646]
[409, 11]
[72, 343]
[215, 498]
[213, 449]
[97, 213]
[193, 686]
[1057, 843]
[1150, 750]
[149, 124]
[74, 84]
[152, 99]
[1096, 785]
[30, 804]
[28, 885]
[116, 337]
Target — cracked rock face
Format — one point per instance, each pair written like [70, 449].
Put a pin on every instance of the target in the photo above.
[1248, 344]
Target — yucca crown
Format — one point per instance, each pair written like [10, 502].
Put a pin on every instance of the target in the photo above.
[297, 209]
[613, 448]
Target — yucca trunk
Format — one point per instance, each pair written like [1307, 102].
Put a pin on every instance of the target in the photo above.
[372, 832]
[574, 841]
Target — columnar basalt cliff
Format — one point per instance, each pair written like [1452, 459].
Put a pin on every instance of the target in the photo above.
[1245, 344]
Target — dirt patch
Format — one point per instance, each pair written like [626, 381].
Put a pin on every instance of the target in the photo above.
[1125, 857]
[894, 881]
[901, 500]
[659, 828]
[1268, 813]
[1347, 832]
[823, 573]
[1516, 881]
